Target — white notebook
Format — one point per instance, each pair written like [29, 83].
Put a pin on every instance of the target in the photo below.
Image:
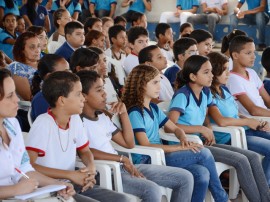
[41, 192]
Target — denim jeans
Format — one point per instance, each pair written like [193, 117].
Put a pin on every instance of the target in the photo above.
[202, 166]
[259, 141]
[249, 171]
[147, 189]
[260, 19]
[212, 19]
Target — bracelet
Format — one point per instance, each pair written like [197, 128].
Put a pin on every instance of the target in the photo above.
[121, 158]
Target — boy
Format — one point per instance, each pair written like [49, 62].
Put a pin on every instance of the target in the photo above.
[266, 64]
[120, 20]
[136, 6]
[56, 136]
[138, 19]
[102, 8]
[8, 35]
[182, 49]
[138, 39]
[164, 37]
[244, 83]
[74, 34]
[139, 180]
[152, 55]
[118, 40]
[92, 23]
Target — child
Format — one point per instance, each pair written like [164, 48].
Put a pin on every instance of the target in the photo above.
[36, 14]
[84, 59]
[204, 41]
[138, 19]
[266, 64]
[118, 39]
[152, 55]
[102, 8]
[20, 25]
[73, 7]
[143, 84]
[95, 38]
[42, 36]
[185, 29]
[144, 175]
[12, 150]
[244, 83]
[8, 6]
[182, 49]
[138, 39]
[225, 113]
[92, 23]
[188, 110]
[164, 37]
[74, 34]
[8, 35]
[107, 22]
[48, 64]
[226, 43]
[57, 135]
[60, 18]
[120, 20]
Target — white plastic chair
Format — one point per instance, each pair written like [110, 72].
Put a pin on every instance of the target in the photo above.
[29, 117]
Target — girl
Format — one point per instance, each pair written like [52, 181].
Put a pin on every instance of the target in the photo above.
[204, 41]
[95, 38]
[26, 53]
[48, 64]
[188, 110]
[107, 22]
[225, 113]
[60, 18]
[142, 85]
[12, 149]
[35, 14]
[42, 36]
[20, 25]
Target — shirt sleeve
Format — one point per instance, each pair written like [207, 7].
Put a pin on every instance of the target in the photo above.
[81, 138]
[111, 127]
[78, 8]
[257, 80]
[210, 101]
[179, 103]
[3, 37]
[179, 3]
[235, 87]
[196, 3]
[137, 121]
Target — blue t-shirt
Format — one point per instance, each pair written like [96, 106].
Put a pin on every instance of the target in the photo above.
[171, 72]
[149, 122]
[41, 15]
[72, 7]
[103, 5]
[192, 111]
[266, 84]
[137, 6]
[39, 105]
[14, 10]
[186, 5]
[253, 4]
[7, 48]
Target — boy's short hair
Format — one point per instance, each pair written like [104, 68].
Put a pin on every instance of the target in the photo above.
[135, 17]
[200, 35]
[184, 26]
[238, 42]
[114, 31]
[58, 84]
[89, 22]
[145, 55]
[72, 26]
[135, 32]
[181, 45]
[36, 29]
[91, 35]
[118, 19]
[265, 60]
[87, 78]
[8, 14]
[83, 57]
[161, 28]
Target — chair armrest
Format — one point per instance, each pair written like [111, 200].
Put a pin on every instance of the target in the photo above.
[156, 154]
[105, 175]
[261, 118]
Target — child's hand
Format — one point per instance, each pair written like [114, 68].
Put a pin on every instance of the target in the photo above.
[208, 135]
[131, 168]
[25, 186]
[90, 180]
[264, 126]
[68, 192]
[253, 123]
[117, 108]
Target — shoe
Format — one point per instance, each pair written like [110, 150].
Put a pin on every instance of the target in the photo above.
[261, 47]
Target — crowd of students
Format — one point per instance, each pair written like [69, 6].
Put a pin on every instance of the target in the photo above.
[85, 73]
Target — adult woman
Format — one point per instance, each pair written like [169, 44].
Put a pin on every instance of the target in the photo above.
[26, 53]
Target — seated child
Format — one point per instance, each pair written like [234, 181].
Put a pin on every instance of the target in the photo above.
[152, 55]
[107, 22]
[120, 20]
[56, 136]
[138, 19]
[185, 29]
[73, 7]
[142, 176]
[204, 41]
[95, 38]
[92, 23]
[20, 25]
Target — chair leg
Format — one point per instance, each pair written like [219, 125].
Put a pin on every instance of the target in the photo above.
[234, 184]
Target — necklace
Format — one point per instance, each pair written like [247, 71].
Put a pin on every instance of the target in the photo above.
[60, 141]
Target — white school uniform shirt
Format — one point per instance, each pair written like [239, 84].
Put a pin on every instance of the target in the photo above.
[166, 90]
[56, 147]
[14, 155]
[54, 45]
[100, 132]
[230, 64]
[130, 62]
[239, 85]
[214, 3]
[110, 91]
[168, 54]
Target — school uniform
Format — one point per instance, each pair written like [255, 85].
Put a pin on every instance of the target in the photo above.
[7, 48]
[14, 10]
[39, 105]
[171, 72]
[66, 50]
[103, 5]
[72, 6]
[130, 62]
[41, 12]
[166, 90]
[55, 41]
